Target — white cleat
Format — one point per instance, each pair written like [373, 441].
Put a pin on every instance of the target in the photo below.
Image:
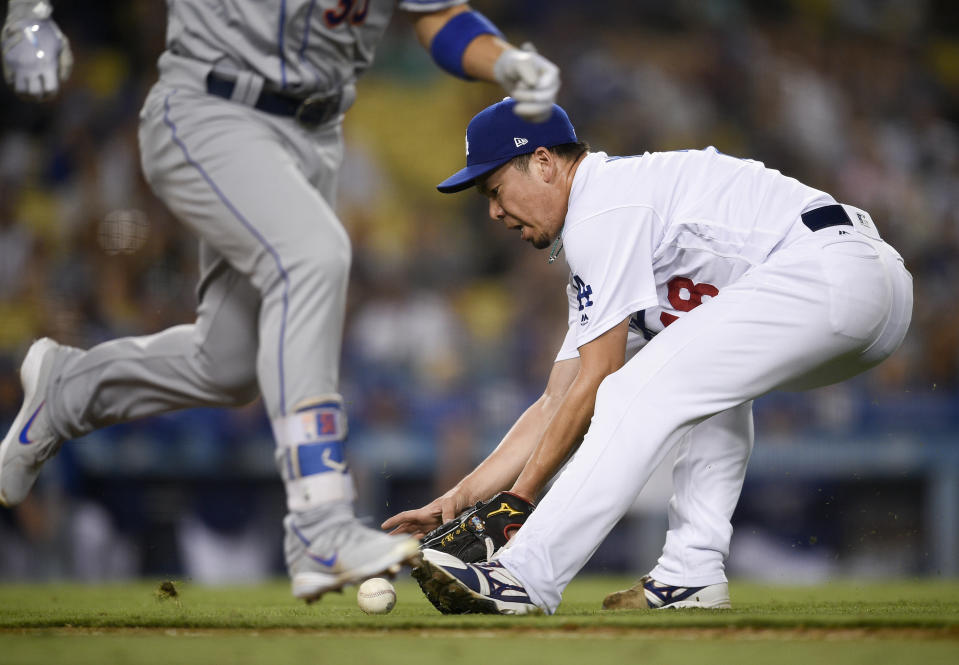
[342, 554]
[31, 441]
[647, 593]
[456, 587]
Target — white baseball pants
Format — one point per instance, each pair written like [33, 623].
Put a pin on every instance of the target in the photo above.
[820, 310]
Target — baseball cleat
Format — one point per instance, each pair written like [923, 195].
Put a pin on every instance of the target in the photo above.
[344, 553]
[31, 441]
[647, 593]
[456, 587]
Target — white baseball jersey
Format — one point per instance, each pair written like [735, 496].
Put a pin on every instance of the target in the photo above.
[794, 307]
[681, 237]
[301, 45]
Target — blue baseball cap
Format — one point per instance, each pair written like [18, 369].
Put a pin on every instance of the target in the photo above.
[496, 134]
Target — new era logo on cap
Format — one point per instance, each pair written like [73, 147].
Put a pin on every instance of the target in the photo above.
[496, 134]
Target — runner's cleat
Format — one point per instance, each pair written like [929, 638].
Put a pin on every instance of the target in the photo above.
[31, 440]
[343, 552]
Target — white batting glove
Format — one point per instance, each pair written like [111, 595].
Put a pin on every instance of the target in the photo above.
[36, 55]
[530, 79]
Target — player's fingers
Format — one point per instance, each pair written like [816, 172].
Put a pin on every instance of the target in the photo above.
[538, 95]
[448, 511]
[22, 85]
[65, 60]
[413, 521]
[38, 87]
[49, 84]
[533, 112]
[396, 521]
[539, 74]
[405, 527]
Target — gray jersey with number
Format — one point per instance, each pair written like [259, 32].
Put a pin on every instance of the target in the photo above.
[298, 45]
[258, 190]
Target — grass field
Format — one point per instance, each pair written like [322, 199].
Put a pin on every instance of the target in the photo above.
[868, 623]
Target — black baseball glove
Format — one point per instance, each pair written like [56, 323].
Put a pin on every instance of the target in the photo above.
[477, 533]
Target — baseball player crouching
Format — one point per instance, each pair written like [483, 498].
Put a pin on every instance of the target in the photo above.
[744, 280]
[241, 137]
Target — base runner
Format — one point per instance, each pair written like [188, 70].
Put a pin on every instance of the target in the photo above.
[241, 137]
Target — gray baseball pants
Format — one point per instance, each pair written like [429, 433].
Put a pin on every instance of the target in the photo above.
[258, 191]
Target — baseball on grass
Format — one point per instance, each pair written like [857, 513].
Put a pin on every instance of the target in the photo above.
[376, 596]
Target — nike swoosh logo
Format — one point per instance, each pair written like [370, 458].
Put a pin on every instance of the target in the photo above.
[24, 439]
[326, 562]
[332, 463]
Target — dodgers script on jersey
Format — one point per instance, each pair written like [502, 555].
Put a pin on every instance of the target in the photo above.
[298, 45]
[650, 238]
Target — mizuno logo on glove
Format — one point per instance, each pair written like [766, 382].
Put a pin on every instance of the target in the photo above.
[504, 508]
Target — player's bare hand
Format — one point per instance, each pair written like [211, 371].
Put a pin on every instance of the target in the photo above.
[530, 79]
[423, 520]
[36, 54]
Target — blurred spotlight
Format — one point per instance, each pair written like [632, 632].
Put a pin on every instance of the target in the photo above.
[123, 231]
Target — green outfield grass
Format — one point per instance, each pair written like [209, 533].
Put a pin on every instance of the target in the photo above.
[847, 622]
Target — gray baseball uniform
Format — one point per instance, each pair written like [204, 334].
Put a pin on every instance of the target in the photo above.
[241, 137]
[258, 190]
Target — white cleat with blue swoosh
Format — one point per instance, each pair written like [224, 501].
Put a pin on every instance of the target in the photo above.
[31, 441]
[328, 549]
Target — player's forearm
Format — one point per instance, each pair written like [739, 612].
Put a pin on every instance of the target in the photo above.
[468, 45]
[500, 470]
[561, 437]
[598, 359]
[480, 55]
[427, 25]
[504, 465]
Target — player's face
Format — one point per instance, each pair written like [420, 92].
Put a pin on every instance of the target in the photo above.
[525, 202]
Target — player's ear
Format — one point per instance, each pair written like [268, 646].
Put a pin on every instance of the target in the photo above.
[545, 163]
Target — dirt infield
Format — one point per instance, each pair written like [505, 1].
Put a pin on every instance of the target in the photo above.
[746, 634]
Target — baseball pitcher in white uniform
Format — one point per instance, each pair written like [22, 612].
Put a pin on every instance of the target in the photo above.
[241, 137]
[742, 279]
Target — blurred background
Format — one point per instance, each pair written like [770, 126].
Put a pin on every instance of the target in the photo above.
[453, 324]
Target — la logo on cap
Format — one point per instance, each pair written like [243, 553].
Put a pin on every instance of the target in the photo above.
[520, 142]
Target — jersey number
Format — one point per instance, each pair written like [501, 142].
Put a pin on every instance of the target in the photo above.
[684, 296]
[345, 9]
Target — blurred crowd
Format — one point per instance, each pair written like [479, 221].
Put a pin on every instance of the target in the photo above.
[452, 322]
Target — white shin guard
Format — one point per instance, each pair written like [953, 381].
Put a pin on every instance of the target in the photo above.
[310, 454]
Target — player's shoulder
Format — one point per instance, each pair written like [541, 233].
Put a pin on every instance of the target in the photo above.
[659, 173]
[653, 166]
[604, 183]
[708, 154]
[600, 175]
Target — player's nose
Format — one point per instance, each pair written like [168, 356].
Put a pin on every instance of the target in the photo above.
[495, 210]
